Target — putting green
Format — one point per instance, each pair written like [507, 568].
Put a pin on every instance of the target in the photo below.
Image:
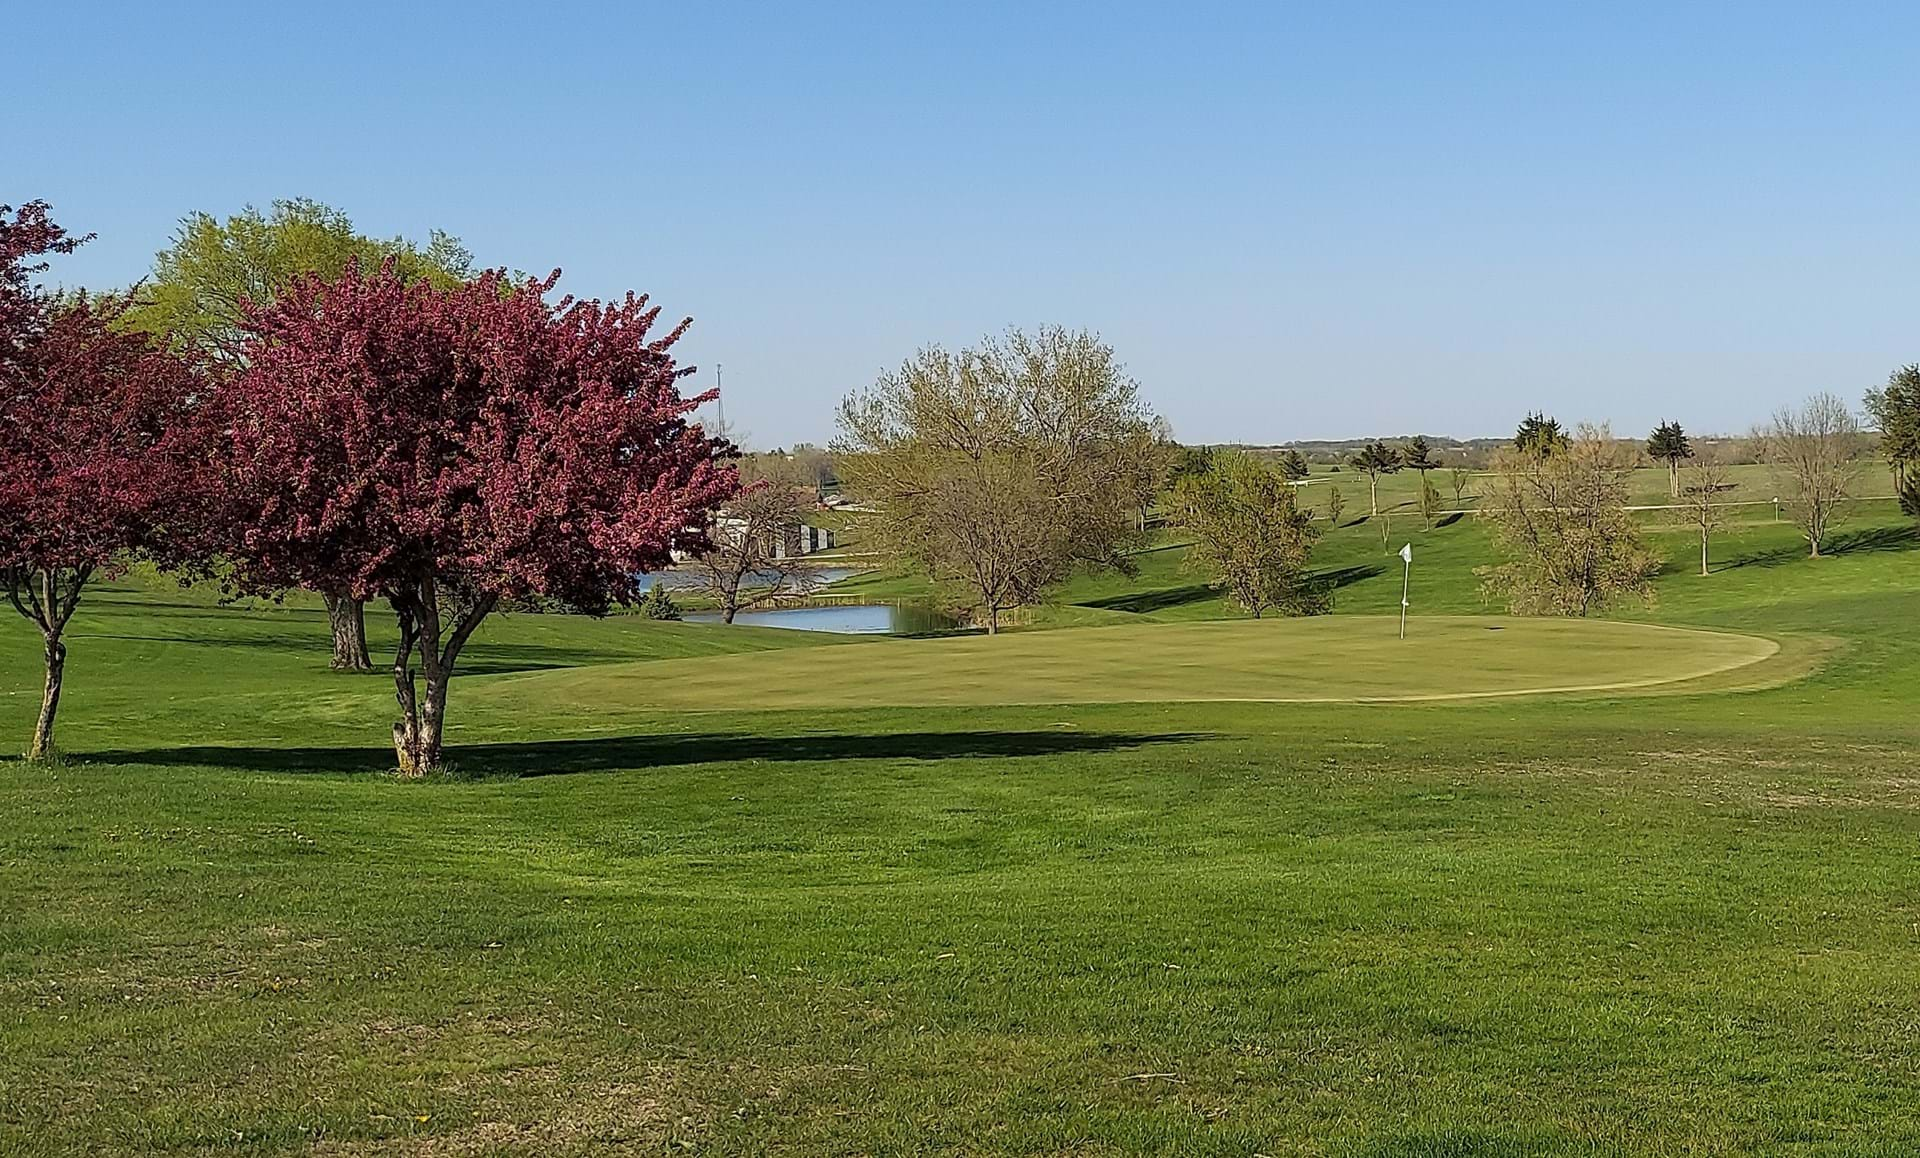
[1344, 658]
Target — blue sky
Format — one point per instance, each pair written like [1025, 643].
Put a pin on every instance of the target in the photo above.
[1292, 221]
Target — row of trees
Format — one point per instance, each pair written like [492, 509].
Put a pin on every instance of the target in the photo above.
[443, 444]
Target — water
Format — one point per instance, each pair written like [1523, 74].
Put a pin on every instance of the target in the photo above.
[845, 619]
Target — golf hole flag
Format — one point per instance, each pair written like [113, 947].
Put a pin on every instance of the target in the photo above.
[1406, 580]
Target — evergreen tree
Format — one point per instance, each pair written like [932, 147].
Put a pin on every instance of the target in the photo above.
[1293, 466]
[1373, 460]
[1538, 434]
[1895, 410]
[1419, 457]
[1669, 444]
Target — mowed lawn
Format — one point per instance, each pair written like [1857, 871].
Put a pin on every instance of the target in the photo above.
[1633, 923]
[1313, 660]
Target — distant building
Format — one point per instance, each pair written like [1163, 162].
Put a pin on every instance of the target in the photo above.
[799, 539]
[804, 539]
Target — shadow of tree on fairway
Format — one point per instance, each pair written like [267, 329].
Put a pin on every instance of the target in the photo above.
[1143, 602]
[612, 753]
[1342, 576]
[1870, 541]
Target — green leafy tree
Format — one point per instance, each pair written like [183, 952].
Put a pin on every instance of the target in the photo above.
[1669, 444]
[1895, 410]
[1293, 466]
[193, 297]
[1539, 435]
[1336, 503]
[1373, 460]
[1251, 535]
[200, 282]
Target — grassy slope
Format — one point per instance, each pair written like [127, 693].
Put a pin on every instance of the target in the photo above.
[1646, 925]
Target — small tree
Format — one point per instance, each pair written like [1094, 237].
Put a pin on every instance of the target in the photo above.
[1373, 460]
[448, 449]
[1895, 410]
[754, 558]
[658, 603]
[1669, 444]
[1458, 478]
[1539, 435]
[1293, 466]
[1002, 468]
[1250, 535]
[1700, 507]
[1560, 519]
[1336, 503]
[1429, 503]
[1814, 451]
[97, 457]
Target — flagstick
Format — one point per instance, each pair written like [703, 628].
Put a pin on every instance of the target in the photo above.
[1406, 581]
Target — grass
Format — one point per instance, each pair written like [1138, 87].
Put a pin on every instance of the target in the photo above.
[1538, 925]
[1323, 659]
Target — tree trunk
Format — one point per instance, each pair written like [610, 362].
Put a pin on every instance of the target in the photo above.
[49, 702]
[1673, 478]
[993, 619]
[417, 734]
[1703, 553]
[1373, 496]
[347, 617]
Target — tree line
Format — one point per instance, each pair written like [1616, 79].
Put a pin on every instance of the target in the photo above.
[444, 443]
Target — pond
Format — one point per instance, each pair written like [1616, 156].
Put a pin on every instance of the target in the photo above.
[846, 619]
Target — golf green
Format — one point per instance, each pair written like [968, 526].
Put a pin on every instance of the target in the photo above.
[1314, 660]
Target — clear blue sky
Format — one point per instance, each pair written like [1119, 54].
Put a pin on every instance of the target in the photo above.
[1293, 221]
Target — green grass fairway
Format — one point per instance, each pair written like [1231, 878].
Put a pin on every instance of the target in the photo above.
[1612, 923]
[1327, 659]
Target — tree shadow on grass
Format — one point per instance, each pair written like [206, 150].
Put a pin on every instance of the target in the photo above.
[1341, 576]
[1143, 602]
[612, 753]
[1870, 541]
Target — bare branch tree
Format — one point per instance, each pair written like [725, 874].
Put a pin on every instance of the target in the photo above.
[1700, 488]
[1815, 452]
[758, 555]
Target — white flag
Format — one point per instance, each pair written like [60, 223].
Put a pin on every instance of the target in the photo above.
[1406, 553]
